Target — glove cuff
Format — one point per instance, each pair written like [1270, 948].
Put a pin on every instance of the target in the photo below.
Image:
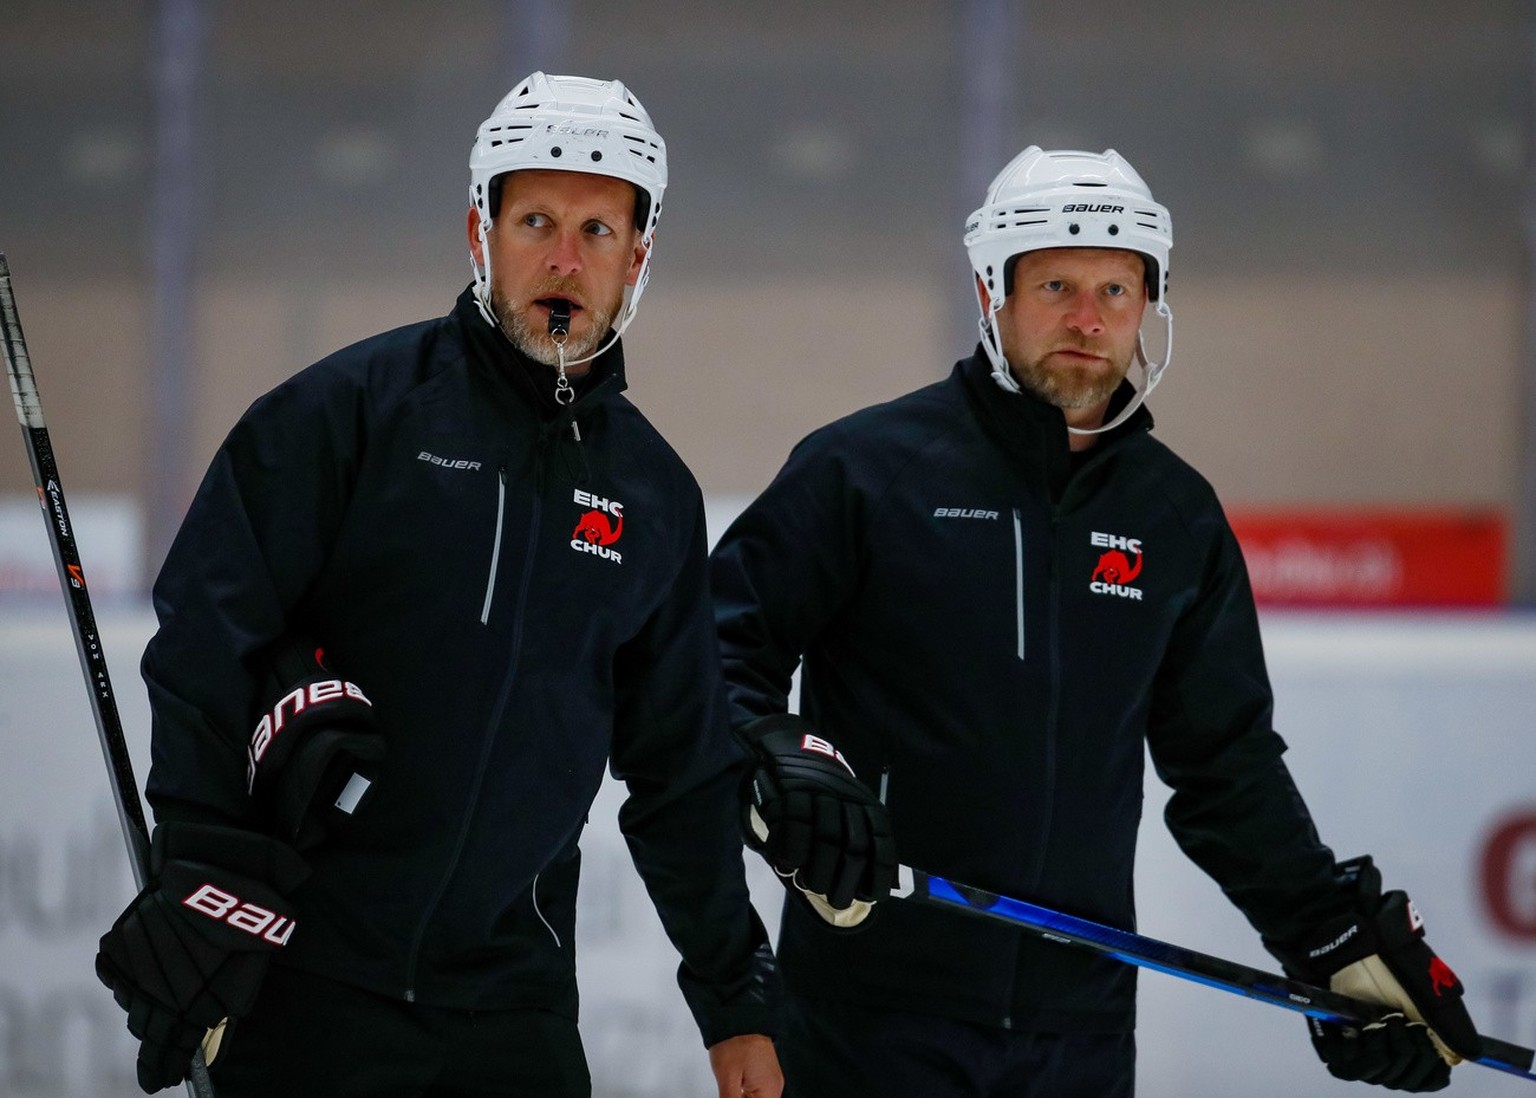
[752, 732]
[247, 853]
[1342, 940]
[782, 737]
[317, 734]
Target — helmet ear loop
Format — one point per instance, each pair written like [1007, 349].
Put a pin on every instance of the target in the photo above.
[991, 339]
[1152, 372]
[482, 268]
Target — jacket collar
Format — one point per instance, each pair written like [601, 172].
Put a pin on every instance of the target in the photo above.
[533, 382]
[1034, 432]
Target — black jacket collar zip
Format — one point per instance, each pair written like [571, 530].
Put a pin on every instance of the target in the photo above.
[534, 382]
[530, 385]
[1033, 432]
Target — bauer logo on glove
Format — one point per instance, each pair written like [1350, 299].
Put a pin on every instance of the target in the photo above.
[315, 749]
[307, 695]
[190, 952]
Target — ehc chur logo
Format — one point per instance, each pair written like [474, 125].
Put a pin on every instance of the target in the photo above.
[599, 527]
[1119, 564]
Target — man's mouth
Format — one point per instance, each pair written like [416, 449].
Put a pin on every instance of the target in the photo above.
[548, 304]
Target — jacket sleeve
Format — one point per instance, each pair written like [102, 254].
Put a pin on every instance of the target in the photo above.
[1235, 811]
[779, 574]
[673, 749]
[253, 540]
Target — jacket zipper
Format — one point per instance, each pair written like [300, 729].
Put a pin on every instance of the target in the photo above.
[1018, 577]
[451, 864]
[501, 513]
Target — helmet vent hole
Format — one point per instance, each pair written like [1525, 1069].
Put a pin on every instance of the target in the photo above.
[596, 155]
[1074, 229]
[556, 151]
[1114, 230]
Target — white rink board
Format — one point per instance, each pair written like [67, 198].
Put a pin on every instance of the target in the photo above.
[1410, 738]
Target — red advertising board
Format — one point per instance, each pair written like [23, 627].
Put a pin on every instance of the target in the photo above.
[1317, 557]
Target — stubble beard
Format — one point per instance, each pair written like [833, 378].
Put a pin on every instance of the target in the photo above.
[535, 341]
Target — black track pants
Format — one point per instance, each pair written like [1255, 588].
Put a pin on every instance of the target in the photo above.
[312, 1036]
[836, 1050]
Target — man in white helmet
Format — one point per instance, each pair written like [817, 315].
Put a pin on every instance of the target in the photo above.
[428, 590]
[1002, 592]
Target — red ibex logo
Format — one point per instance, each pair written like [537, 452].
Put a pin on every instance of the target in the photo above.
[1115, 567]
[595, 528]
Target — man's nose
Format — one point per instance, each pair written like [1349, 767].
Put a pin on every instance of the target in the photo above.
[1085, 314]
[565, 254]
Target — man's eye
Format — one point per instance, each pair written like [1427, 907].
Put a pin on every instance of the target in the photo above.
[1114, 289]
[535, 220]
[1055, 285]
[597, 228]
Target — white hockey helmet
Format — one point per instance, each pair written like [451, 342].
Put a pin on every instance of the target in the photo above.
[573, 124]
[1068, 199]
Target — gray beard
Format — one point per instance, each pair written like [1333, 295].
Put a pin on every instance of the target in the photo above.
[536, 342]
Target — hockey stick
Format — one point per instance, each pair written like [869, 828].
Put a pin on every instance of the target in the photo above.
[914, 885]
[82, 620]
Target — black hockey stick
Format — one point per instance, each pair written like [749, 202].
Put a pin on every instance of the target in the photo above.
[917, 886]
[82, 620]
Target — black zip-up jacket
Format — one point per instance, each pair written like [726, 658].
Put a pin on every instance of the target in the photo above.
[1001, 629]
[521, 608]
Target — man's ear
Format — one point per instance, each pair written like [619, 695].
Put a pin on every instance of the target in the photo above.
[472, 226]
[983, 297]
[638, 258]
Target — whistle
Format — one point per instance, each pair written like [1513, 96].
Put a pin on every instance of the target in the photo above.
[560, 320]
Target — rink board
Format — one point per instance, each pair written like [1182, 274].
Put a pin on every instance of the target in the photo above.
[1411, 737]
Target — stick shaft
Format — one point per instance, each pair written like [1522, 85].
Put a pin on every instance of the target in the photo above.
[66, 557]
[917, 886]
[82, 618]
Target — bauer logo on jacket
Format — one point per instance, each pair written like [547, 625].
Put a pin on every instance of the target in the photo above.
[599, 527]
[1118, 564]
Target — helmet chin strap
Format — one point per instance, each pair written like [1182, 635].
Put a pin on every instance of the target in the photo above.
[1151, 372]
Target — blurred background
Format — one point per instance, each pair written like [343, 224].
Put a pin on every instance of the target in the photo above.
[200, 197]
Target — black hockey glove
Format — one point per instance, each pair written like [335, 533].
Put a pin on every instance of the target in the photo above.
[815, 822]
[1379, 954]
[191, 949]
[315, 750]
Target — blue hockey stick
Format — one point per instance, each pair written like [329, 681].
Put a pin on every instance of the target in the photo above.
[1134, 949]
